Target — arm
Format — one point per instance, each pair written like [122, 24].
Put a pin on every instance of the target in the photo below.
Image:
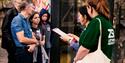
[88, 41]
[82, 52]
[69, 37]
[42, 42]
[32, 46]
[74, 36]
[25, 40]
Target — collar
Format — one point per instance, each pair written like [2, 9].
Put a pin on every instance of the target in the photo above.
[22, 16]
[96, 16]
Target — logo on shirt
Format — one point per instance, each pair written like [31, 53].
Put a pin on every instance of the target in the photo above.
[111, 37]
[48, 28]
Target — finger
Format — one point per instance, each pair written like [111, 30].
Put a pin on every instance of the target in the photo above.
[61, 37]
[29, 50]
[69, 34]
[28, 45]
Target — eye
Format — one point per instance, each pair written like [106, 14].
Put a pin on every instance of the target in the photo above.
[36, 17]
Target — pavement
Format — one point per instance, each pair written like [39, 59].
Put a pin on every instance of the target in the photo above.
[3, 54]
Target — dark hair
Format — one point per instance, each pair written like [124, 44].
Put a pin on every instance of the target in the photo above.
[101, 6]
[31, 17]
[83, 12]
[42, 12]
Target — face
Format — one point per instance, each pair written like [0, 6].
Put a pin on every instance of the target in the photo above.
[36, 19]
[17, 4]
[30, 9]
[44, 17]
[82, 19]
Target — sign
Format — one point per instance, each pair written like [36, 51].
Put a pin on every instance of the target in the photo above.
[39, 4]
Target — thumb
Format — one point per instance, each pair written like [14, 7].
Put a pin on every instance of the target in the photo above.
[61, 37]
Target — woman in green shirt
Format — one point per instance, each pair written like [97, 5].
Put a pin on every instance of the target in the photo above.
[84, 19]
[89, 38]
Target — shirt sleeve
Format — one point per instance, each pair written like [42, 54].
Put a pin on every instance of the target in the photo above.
[16, 25]
[91, 36]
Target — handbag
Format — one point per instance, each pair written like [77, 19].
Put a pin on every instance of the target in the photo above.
[97, 56]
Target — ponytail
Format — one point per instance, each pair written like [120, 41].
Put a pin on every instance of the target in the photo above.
[101, 7]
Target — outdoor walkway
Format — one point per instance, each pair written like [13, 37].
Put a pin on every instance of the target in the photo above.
[3, 55]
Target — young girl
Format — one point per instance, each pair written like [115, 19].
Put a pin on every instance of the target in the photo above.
[46, 29]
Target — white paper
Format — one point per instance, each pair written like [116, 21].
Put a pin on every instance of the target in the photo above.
[61, 33]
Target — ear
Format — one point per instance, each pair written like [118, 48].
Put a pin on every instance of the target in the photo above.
[89, 9]
[92, 9]
[85, 16]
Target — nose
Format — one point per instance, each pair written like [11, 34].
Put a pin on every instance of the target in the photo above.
[78, 19]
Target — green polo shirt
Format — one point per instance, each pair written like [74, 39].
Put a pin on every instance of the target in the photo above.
[90, 36]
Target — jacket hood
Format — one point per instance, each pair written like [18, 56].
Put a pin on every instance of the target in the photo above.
[43, 11]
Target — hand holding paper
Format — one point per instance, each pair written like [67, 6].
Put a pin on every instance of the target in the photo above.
[62, 34]
[71, 38]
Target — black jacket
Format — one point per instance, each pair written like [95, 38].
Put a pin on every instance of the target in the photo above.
[7, 41]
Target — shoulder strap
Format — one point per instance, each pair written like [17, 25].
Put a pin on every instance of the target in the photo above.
[100, 27]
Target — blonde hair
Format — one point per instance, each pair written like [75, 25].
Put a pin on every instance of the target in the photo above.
[101, 6]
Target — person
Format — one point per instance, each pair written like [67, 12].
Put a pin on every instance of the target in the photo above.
[89, 38]
[83, 19]
[45, 26]
[22, 34]
[39, 54]
[7, 41]
[97, 9]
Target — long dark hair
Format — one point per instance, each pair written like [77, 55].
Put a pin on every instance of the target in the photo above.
[31, 17]
[83, 11]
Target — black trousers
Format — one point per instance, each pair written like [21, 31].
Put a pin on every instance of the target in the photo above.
[39, 55]
[11, 56]
[23, 56]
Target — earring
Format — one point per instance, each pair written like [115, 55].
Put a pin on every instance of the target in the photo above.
[85, 16]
